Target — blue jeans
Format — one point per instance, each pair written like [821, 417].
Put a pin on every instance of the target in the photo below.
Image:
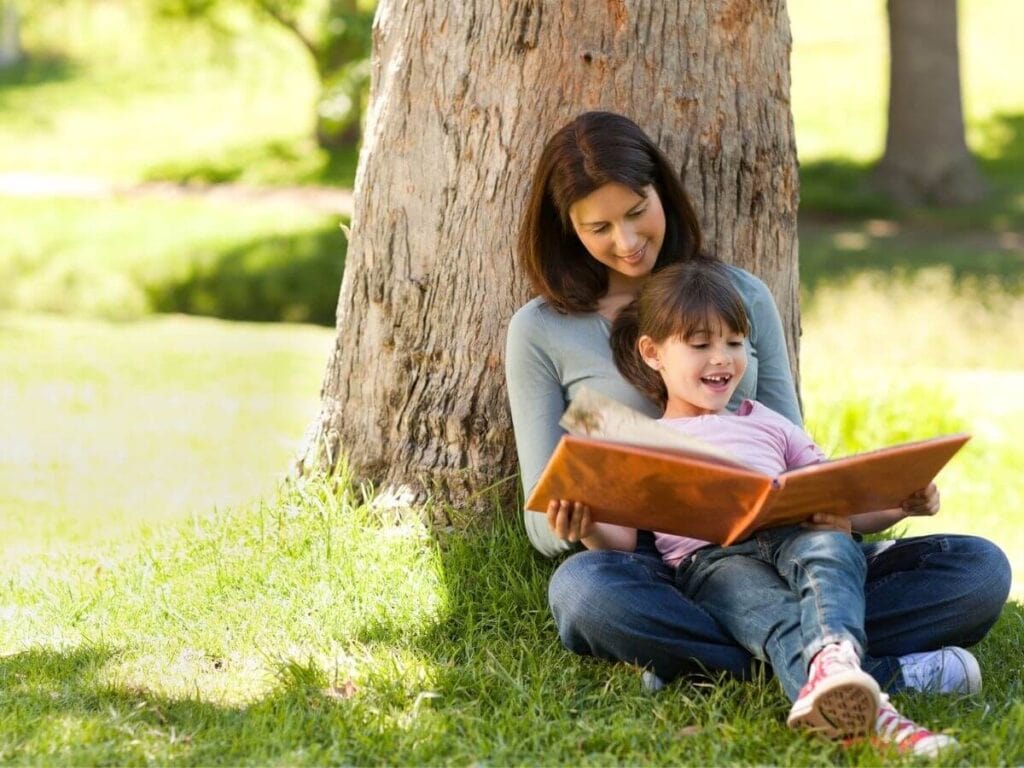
[783, 595]
[920, 593]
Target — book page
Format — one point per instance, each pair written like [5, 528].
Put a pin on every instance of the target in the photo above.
[592, 414]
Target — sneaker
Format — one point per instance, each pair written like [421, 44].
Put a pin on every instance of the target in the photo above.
[947, 670]
[650, 682]
[840, 700]
[907, 736]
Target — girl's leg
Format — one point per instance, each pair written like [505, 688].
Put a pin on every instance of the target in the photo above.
[926, 592]
[826, 571]
[625, 607]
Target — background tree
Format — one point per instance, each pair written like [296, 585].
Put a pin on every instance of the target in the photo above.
[926, 158]
[461, 103]
[335, 34]
[10, 36]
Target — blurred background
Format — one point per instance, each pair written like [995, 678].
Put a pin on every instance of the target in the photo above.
[174, 174]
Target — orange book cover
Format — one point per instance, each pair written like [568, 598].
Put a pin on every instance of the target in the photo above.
[691, 489]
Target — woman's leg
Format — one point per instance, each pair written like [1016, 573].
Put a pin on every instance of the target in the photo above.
[926, 592]
[625, 607]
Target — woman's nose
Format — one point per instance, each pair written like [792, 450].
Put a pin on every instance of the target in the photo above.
[626, 241]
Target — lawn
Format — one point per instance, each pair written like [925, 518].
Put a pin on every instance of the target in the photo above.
[165, 600]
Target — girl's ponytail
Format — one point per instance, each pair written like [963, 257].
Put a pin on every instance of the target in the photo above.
[624, 337]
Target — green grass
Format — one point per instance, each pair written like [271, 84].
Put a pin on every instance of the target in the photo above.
[140, 624]
[113, 431]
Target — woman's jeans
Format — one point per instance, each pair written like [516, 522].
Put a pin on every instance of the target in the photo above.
[783, 595]
[920, 593]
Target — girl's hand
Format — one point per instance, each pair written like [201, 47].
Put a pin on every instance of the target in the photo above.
[569, 520]
[922, 503]
[824, 521]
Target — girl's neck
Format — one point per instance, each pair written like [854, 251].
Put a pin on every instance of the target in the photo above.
[684, 410]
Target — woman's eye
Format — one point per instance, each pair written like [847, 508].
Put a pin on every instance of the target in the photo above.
[599, 230]
[634, 214]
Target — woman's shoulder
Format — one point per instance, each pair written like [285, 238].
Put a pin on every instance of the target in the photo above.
[749, 285]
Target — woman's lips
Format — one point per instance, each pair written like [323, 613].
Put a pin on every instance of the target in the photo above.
[636, 256]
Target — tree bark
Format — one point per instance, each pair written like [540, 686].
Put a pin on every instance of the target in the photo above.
[926, 159]
[463, 97]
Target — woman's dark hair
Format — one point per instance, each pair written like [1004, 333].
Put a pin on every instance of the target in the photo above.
[680, 300]
[595, 149]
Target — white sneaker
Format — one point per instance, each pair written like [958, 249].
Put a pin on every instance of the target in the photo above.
[947, 670]
[650, 682]
[905, 735]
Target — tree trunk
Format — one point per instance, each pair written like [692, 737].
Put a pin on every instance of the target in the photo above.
[10, 36]
[926, 158]
[463, 97]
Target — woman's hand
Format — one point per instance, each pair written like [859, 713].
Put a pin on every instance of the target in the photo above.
[569, 520]
[825, 521]
[923, 503]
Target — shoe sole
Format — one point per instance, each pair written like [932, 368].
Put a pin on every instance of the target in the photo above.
[842, 706]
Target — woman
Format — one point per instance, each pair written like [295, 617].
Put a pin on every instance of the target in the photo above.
[605, 210]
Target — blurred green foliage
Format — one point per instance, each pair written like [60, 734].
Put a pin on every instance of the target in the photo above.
[337, 36]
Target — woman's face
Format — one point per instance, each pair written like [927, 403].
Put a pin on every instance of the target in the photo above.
[621, 229]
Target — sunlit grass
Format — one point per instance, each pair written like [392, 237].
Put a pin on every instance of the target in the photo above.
[113, 432]
[886, 359]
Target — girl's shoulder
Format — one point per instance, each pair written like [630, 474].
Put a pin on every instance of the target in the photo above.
[762, 412]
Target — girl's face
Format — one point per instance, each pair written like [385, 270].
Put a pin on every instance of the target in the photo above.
[621, 229]
[700, 372]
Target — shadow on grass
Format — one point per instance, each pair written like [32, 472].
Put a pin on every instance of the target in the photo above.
[286, 278]
[295, 161]
[58, 704]
[36, 69]
[839, 187]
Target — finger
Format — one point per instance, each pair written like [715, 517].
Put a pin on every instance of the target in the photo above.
[576, 521]
[586, 522]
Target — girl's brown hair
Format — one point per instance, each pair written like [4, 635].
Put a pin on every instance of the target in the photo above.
[595, 149]
[680, 300]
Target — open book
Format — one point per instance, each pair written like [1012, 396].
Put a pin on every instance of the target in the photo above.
[631, 470]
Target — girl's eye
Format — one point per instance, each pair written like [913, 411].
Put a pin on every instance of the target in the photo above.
[600, 229]
[699, 345]
[634, 214]
[735, 343]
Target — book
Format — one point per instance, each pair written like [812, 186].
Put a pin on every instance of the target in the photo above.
[632, 470]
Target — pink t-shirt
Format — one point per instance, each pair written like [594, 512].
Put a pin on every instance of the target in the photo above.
[756, 435]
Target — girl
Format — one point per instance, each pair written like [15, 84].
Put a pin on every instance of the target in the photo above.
[681, 342]
[606, 209]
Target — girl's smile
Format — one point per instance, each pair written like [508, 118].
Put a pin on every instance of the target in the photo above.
[700, 372]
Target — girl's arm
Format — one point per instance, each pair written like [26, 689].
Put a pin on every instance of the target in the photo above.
[571, 521]
[923, 503]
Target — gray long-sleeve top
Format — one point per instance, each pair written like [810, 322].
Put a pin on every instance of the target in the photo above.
[549, 356]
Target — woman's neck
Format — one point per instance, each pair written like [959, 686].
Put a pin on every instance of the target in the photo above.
[621, 291]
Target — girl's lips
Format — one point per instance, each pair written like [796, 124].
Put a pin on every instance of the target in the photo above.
[718, 381]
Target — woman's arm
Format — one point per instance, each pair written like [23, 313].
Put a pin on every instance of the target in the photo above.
[775, 386]
[536, 399]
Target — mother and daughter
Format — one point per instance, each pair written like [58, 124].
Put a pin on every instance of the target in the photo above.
[628, 304]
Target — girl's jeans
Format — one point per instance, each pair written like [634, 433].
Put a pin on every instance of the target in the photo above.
[818, 600]
[920, 594]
